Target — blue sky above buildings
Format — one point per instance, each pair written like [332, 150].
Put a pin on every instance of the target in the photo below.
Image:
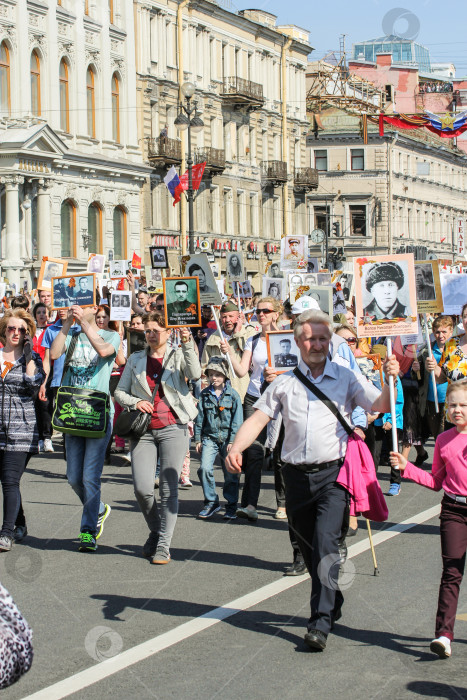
[438, 26]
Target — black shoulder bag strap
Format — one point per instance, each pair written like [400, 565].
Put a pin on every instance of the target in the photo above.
[69, 354]
[322, 397]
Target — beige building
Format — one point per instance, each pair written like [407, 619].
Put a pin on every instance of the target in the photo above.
[400, 192]
[249, 76]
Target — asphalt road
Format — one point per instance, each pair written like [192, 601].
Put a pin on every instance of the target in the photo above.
[94, 614]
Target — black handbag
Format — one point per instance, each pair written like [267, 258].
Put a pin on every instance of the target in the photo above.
[133, 423]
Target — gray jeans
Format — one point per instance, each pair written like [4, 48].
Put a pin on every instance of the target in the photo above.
[170, 444]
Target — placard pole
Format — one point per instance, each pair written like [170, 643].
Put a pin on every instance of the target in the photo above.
[430, 354]
[219, 330]
[392, 399]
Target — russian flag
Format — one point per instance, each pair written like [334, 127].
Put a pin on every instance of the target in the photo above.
[173, 184]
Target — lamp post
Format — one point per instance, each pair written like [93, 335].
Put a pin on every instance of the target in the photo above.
[184, 121]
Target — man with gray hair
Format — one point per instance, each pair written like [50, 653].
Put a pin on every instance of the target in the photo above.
[313, 451]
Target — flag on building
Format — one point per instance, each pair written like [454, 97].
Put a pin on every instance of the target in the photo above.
[172, 182]
[196, 176]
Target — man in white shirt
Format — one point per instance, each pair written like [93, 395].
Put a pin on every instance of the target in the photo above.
[313, 451]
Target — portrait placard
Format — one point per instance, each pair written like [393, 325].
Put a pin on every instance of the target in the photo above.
[136, 340]
[385, 295]
[120, 306]
[294, 253]
[242, 289]
[273, 269]
[153, 279]
[198, 266]
[50, 267]
[338, 301]
[273, 287]
[283, 352]
[346, 281]
[96, 263]
[159, 260]
[119, 268]
[324, 278]
[235, 267]
[454, 288]
[312, 265]
[323, 295]
[182, 306]
[371, 368]
[77, 290]
[428, 287]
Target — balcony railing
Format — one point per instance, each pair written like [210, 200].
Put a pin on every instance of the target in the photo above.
[306, 179]
[163, 150]
[213, 157]
[241, 91]
[274, 172]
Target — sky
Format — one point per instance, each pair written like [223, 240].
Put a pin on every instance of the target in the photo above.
[440, 26]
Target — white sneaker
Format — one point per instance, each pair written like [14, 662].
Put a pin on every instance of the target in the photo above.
[47, 446]
[40, 445]
[442, 647]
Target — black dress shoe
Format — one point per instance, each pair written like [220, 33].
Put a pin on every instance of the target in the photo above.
[351, 532]
[421, 458]
[298, 568]
[316, 640]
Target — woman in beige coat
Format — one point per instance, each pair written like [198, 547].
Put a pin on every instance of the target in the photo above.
[155, 381]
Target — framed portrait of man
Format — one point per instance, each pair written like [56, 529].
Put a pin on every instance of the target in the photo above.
[96, 263]
[312, 265]
[294, 253]
[50, 267]
[76, 290]
[198, 266]
[182, 305]
[385, 295]
[346, 281]
[273, 287]
[119, 268]
[454, 288]
[428, 286]
[283, 352]
[235, 267]
[323, 294]
[120, 306]
[159, 260]
[273, 269]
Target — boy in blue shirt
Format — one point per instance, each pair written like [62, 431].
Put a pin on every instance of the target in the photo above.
[220, 415]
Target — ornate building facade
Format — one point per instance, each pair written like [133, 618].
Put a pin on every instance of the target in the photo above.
[71, 168]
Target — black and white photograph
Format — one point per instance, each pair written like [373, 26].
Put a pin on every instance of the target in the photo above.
[324, 296]
[119, 268]
[198, 266]
[50, 267]
[153, 279]
[338, 300]
[159, 259]
[215, 269]
[120, 306]
[78, 290]
[385, 291]
[312, 265]
[274, 270]
[324, 278]
[242, 289]
[370, 367]
[182, 304]
[346, 282]
[273, 287]
[283, 352]
[235, 267]
[454, 288]
[428, 286]
[96, 263]
[136, 340]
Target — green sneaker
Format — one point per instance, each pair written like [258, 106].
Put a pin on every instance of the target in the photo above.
[87, 542]
[101, 520]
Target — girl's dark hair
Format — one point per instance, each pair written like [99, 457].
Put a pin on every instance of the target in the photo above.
[39, 305]
[106, 309]
[463, 309]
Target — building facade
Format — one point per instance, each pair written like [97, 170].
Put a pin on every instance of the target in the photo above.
[71, 168]
[249, 76]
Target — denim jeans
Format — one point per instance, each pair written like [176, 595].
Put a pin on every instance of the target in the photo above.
[206, 475]
[84, 465]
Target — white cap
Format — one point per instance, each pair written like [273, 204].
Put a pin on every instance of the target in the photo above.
[304, 304]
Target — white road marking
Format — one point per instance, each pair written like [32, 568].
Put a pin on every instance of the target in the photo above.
[107, 668]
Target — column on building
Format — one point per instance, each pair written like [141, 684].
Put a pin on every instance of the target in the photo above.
[12, 263]
[44, 242]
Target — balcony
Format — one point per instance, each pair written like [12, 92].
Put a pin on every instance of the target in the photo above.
[273, 172]
[306, 179]
[242, 93]
[164, 151]
[213, 157]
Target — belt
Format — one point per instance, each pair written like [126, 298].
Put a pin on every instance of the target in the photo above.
[457, 499]
[313, 468]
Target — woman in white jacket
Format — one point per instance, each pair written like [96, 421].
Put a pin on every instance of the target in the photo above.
[155, 381]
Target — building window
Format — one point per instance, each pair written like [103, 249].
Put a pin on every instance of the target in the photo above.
[94, 228]
[68, 229]
[322, 219]
[357, 159]
[119, 233]
[4, 78]
[111, 11]
[321, 161]
[64, 97]
[35, 84]
[91, 103]
[115, 108]
[357, 220]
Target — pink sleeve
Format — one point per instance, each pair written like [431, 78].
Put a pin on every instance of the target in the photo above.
[432, 481]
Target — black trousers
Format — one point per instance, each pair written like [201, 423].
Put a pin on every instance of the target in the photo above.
[44, 417]
[253, 460]
[12, 466]
[317, 509]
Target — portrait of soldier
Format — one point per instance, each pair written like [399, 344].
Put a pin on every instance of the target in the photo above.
[285, 358]
[384, 282]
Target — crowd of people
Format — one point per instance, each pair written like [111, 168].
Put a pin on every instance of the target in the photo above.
[216, 393]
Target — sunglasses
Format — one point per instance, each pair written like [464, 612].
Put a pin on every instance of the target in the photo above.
[351, 341]
[13, 329]
[264, 311]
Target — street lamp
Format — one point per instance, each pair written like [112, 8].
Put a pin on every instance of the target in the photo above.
[184, 121]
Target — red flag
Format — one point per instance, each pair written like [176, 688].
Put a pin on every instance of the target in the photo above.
[196, 177]
[136, 262]
[121, 286]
